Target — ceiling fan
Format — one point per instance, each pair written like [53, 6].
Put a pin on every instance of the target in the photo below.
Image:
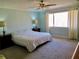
[42, 4]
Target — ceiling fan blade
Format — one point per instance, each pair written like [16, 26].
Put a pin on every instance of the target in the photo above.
[50, 5]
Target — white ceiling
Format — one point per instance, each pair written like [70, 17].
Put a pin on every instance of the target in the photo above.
[29, 4]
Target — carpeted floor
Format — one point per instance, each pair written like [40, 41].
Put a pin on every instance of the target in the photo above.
[57, 49]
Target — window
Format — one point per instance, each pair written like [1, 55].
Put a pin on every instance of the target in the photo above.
[58, 19]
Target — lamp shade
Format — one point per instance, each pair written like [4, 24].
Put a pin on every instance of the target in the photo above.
[2, 23]
[35, 21]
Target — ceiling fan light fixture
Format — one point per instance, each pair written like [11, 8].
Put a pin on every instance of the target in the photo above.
[42, 5]
[41, 1]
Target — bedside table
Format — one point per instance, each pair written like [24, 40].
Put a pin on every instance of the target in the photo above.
[36, 29]
[5, 41]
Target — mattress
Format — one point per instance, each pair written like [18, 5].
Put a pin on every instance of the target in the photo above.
[31, 39]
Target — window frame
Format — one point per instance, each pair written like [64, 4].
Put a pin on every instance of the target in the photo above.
[53, 15]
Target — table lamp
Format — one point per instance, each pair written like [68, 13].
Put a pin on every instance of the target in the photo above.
[2, 25]
[35, 22]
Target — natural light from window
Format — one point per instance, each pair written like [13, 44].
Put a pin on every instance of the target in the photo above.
[58, 19]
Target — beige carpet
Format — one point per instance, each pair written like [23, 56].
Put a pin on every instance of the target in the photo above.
[57, 49]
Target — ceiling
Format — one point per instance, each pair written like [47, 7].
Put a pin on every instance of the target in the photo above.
[30, 4]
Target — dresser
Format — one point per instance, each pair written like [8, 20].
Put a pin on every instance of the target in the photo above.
[5, 41]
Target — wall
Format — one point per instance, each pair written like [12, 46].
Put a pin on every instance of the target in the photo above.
[59, 31]
[41, 20]
[16, 20]
[40, 16]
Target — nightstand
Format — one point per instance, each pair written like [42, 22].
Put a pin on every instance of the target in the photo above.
[36, 29]
[5, 41]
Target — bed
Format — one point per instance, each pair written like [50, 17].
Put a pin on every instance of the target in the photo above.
[31, 39]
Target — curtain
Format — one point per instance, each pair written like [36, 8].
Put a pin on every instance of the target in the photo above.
[72, 22]
[47, 23]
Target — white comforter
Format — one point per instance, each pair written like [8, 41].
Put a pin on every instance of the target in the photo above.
[31, 39]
